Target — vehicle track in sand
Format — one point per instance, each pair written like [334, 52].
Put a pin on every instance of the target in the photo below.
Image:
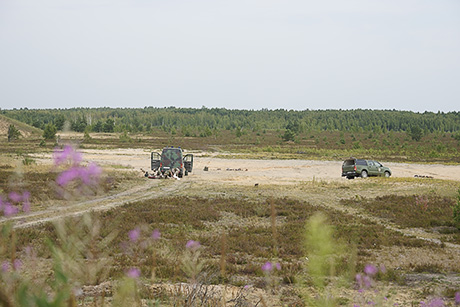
[138, 193]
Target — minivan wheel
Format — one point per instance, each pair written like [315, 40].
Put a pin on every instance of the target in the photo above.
[364, 174]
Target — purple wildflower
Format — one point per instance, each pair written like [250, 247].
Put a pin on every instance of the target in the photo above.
[156, 234]
[246, 287]
[436, 302]
[90, 174]
[68, 154]
[370, 270]
[5, 266]
[17, 264]
[457, 298]
[67, 176]
[10, 210]
[15, 197]
[25, 195]
[193, 245]
[278, 266]
[267, 267]
[367, 281]
[26, 206]
[133, 273]
[134, 234]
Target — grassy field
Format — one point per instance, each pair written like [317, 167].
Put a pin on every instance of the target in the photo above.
[403, 224]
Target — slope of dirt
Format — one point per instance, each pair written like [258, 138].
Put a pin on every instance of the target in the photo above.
[25, 129]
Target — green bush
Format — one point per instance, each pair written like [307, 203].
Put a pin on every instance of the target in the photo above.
[456, 210]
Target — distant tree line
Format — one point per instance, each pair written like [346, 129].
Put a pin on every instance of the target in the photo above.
[206, 121]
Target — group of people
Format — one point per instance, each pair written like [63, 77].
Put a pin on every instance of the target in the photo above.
[158, 174]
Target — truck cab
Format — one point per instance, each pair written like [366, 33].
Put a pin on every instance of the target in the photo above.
[171, 160]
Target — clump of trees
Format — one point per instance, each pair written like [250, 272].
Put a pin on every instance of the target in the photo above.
[201, 121]
[49, 133]
[13, 133]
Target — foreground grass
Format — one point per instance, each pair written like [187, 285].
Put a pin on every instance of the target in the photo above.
[238, 237]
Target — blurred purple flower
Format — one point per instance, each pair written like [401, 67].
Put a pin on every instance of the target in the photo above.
[278, 266]
[156, 234]
[10, 210]
[367, 281]
[457, 298]
[15, 197]
[193, 245]
[25, 195]
[134, 234]
[67, 176]
[370, 270]
[17, 264]
[68, 154]
[5, 266]
[133, 273]
[246, 287]
[436, 302]
[90, 174]
[26, 206]
[267, 267]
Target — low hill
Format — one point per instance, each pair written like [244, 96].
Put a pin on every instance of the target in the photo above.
[26, 130]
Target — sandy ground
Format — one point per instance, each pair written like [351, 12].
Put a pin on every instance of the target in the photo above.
[245, 171]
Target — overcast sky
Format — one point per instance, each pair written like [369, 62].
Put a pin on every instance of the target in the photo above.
[239, 54]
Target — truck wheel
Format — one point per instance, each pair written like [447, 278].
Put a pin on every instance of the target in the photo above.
[186, 172]
[387, 174]
[364, 174]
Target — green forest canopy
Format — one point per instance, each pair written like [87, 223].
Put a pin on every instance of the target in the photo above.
[144, 119]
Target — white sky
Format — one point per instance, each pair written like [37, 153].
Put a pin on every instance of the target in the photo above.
[239, 54]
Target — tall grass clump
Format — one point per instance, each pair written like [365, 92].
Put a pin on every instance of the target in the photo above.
[329, 265]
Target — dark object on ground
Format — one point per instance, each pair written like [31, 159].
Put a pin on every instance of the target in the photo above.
[423, 176]
[352, 168]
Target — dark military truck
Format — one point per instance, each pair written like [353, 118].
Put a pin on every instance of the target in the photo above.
[352, 168]
[172, 161]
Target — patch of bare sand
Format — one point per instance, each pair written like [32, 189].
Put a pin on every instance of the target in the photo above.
[250, 172]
